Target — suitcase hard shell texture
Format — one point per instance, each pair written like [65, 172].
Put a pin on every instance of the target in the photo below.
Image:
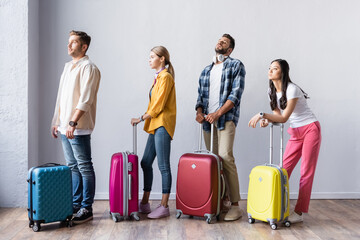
[200, 184]
[49, 195]
[124, 184]
[268, 194]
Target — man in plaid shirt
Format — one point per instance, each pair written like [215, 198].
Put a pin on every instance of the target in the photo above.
[221, 85]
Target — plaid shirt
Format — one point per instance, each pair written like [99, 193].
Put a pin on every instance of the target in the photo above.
[231, 88]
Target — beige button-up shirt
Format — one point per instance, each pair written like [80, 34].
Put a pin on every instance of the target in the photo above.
[79, 84]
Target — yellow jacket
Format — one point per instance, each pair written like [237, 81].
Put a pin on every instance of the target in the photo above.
[162, 105]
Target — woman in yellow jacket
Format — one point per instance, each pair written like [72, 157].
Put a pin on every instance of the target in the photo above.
[160, 120]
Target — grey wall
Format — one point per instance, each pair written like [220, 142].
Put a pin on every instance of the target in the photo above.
[33, 84]
[13, 102]
[320, 40]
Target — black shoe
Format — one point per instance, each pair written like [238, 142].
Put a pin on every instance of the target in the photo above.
[83, 215]
[75, 210]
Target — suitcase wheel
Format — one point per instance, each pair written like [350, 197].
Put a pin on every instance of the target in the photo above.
[287, 224]
[36, 227]
[136, 217]
[251, 220]
[178, 214]
[69, 223]
[31, 224]
[115, 218]
[273, 226]
[208, 220]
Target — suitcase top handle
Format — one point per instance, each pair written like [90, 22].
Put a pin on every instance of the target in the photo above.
[50, 165]
[281, 142]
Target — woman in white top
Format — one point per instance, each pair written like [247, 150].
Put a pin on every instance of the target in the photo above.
[288, 102]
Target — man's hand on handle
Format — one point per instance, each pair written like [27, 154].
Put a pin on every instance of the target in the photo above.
[54, 131]
[200, 117]
[212, 117]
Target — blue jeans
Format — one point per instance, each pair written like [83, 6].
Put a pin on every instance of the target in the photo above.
[158, 145]
[77, 153]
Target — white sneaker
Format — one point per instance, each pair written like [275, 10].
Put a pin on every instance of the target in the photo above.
[295, 218]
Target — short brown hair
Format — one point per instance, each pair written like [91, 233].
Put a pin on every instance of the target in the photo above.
[84, 38]
[232, 40]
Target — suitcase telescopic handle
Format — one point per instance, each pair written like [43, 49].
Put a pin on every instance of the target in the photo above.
[200, 136]
[211, 137]
[135, 139]
[281, 142]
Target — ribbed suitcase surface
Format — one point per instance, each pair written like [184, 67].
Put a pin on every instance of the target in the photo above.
[50, 194]
[124, 186]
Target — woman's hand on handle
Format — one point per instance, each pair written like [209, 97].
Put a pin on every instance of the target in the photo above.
[277, 116]
[254, 120]
[135, 121]
[264, 123]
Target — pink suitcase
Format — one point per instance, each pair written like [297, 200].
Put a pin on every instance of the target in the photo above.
[124, 184]
[200, 183]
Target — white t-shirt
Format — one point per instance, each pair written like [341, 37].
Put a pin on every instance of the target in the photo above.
[215, 83]
[62, 130]
[302, 115]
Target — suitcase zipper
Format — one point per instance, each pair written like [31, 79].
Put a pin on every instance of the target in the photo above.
[283, 190]
[125, 183]
[31, 195]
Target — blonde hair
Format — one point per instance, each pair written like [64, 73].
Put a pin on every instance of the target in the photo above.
[161, 51]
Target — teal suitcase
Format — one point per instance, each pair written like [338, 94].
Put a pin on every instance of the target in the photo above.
[49, 195]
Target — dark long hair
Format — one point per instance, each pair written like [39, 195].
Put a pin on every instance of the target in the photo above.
[285, 80]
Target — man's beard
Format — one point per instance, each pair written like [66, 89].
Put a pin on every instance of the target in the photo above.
[75, 53]
[221, 51]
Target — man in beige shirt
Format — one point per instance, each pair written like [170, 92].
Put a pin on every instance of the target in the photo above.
[74, 118]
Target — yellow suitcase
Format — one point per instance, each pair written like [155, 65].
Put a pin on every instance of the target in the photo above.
[268, 193]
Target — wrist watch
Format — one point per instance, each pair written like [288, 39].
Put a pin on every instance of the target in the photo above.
[72, 123]
[262, 115]
[141, 119]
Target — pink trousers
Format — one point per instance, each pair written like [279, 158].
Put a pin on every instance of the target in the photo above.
[304, 143]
